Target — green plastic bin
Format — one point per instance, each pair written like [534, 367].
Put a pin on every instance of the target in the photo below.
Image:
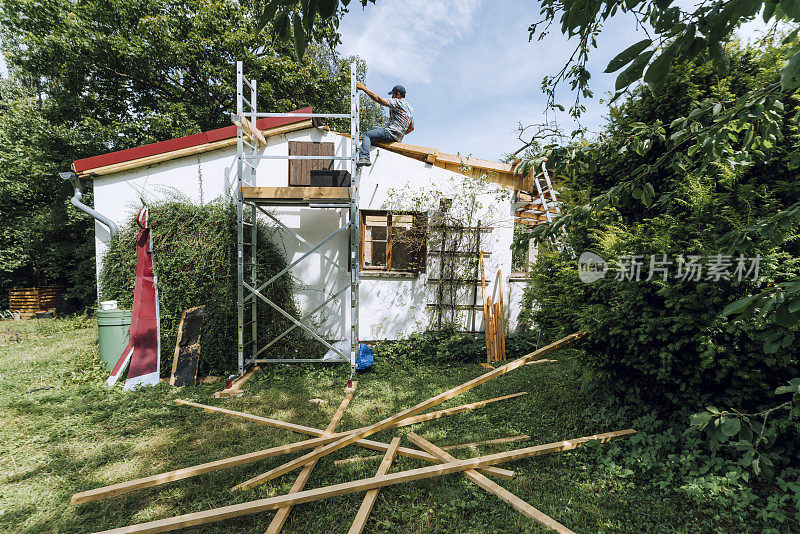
[113, 327]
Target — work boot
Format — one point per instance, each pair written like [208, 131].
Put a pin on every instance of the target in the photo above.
[363, 162]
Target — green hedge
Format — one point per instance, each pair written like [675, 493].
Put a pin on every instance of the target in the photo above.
[668, 342]
[194, 258]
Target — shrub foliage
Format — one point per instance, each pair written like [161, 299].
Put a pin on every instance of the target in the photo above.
[194, 251]
[669, 341]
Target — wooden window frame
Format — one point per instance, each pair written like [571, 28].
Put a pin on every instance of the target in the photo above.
[363, 214]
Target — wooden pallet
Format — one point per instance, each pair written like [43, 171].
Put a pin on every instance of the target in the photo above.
[28, 301]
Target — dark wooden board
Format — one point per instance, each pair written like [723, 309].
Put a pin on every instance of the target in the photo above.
[187, 348]
[300, 169]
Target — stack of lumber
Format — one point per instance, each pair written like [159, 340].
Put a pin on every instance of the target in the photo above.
[28, 301]
[493, 320]
[330, 440]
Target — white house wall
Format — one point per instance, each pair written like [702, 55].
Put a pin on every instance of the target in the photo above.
[391, 306]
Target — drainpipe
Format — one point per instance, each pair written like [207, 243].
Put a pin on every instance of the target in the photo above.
[76, 201]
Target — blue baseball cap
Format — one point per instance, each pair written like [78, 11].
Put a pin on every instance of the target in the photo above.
[398, 89]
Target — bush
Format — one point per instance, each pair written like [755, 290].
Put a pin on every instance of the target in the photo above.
[448, 346]
[668, 342]
[194, 251]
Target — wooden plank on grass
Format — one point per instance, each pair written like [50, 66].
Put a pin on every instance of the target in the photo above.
[456, 409]
[510, 439]
[492, 487]
[315, 432]
[237, 384]
[356, 486]
[283, 513]
[188, 472]
[372, 495]
[405, 414]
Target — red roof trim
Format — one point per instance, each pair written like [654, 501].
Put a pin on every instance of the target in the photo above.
[188, 141]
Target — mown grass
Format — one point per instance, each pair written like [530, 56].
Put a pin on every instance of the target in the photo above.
[78, 435]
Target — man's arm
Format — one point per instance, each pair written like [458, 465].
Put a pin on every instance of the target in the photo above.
[373, 96]
[410, 128]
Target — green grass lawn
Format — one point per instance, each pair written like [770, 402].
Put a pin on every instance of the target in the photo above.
[62, 431]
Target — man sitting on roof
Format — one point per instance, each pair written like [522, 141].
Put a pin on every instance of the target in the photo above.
[401, 121]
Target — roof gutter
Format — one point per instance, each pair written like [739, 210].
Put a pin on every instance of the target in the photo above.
[76, 201]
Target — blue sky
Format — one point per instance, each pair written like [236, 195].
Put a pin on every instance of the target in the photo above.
[470, 72]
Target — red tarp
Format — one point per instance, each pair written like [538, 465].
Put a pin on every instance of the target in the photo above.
[144, 342]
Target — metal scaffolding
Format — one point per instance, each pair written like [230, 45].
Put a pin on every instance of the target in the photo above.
[250, 290]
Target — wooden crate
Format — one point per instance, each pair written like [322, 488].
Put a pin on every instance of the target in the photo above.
[28, 301]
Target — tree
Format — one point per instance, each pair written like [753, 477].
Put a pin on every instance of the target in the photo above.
[668, 342]
[101, 75]
[138, 72]
[43, 240]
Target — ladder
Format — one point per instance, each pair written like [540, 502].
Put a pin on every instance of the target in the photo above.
[539, 208]
[250, 290]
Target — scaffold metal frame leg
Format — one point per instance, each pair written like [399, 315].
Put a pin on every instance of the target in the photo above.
[250, 292]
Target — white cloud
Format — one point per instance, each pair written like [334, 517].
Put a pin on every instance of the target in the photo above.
[404, 38]
[471, 72]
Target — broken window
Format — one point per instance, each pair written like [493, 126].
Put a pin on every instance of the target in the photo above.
[393, 241]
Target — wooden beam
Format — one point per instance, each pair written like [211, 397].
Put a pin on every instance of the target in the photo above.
[372, 495]
[177, 349]
[535, 210]
[501, 315]
[184, 152]
[276, 423]
[405, 414]
[296, 193]
[510, 439]
[492, 487]
[456, 409]
[532, 216]
[315, 432]
[487, 318]
[238, 383]
[252, 130]
[283, 513]
[356, 486]
[496, 441]
[188, 472]
[532, 224]
[495, 172]
[431, 157]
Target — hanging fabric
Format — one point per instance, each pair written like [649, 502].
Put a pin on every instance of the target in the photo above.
[144, 342]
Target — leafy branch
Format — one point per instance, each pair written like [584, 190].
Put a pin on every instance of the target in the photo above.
[749, 433]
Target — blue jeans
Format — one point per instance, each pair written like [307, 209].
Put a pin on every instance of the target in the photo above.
[376, 134]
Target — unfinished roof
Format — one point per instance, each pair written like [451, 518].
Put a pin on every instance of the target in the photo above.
[499, 173]
[122, 160]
